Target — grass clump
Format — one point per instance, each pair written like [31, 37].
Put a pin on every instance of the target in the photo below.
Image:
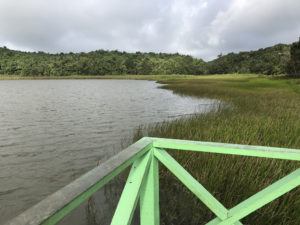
[262, 111]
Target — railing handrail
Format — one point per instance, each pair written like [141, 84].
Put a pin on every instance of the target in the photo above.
[228, 149]
[145, 172]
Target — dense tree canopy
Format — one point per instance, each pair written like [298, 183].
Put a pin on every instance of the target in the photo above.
[279, 59]
[272, 60]
[294, 65]
[97, 63]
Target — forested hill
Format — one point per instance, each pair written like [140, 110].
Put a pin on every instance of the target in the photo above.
[96, 63]
[272, 60]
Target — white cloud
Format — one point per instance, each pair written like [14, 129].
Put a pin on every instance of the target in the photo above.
[251, 24]
[203, 28]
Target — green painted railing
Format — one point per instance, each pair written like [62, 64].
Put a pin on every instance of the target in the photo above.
[143, 183]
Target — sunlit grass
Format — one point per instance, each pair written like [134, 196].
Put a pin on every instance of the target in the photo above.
[262, 112]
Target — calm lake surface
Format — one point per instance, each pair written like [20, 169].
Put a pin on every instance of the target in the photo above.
[53, 131]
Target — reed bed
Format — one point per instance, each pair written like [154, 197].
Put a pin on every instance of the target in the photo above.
[257, 111]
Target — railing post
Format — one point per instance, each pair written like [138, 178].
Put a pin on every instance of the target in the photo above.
[149, 199]
[131, 192]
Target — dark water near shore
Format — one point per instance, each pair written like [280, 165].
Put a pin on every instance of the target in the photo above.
[52, 131]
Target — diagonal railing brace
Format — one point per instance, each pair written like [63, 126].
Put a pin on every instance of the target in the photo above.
[193, 185]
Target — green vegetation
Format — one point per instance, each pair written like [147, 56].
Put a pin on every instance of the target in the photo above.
[269, 61]
[257, 111]
[96, 63]
[272, 60]
[294, 65]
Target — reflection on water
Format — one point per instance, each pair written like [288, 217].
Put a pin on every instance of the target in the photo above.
[52, 131]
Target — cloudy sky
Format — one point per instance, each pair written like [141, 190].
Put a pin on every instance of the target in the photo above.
[202, 28]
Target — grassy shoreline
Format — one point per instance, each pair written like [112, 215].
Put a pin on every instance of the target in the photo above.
[262, 111]
[128, 77]
[83, 77]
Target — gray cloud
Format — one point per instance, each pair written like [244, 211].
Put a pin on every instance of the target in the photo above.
[202, 28]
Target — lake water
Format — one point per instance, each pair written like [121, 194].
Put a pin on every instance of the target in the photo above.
[52, 131]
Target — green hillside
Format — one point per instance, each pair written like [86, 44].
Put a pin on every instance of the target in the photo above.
[294, 65]
[96, 63]
[270, 61]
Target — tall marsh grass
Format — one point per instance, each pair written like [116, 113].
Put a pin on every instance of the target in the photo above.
[262, 112]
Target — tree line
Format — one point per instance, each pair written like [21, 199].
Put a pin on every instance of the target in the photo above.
[96, 63]
[294, 64]
[269, 61]
[279, 59]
